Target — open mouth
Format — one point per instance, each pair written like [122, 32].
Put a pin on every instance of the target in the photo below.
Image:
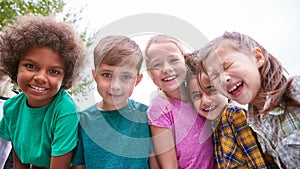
[210, 109]
[236, 89]
[169, 78]
[38, 88]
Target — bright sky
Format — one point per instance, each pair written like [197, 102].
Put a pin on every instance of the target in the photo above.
[273, 23]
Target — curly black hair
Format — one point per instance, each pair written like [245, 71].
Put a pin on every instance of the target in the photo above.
[30, 31]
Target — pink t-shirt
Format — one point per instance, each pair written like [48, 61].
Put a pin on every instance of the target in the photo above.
[194, 148]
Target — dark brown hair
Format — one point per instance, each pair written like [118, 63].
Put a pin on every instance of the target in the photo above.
[32, 31]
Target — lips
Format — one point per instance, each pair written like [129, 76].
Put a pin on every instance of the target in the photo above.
[38, 88]
[210, 109]
[236, 89]
[169, 78]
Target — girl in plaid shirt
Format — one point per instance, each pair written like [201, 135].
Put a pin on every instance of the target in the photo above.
[244, 71]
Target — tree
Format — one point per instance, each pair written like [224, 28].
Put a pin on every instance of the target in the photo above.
[11, 9]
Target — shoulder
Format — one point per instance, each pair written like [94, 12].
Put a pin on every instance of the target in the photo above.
[89, 111]
[159, 101]
[15, 101]
[233, 110]
[63, 100]
[294, 87]
[137, 105]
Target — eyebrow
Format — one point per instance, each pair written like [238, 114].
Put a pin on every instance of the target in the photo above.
[35, 62]
[195, 92]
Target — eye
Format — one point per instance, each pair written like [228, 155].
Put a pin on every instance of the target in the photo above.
[127, 77]
[107, 75]
[174, 60]
[54, 71]
[196, 95]
[212, 90]
[30, 66]
[156, 65]
[226, 65]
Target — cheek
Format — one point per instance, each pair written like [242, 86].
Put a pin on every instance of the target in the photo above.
[196, 104]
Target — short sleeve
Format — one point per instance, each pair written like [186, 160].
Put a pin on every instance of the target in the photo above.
[78, 155]
[65, 131]
[159, 113]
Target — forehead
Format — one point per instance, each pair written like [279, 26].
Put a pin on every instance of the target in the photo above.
[162, 49]
[43, 56]
[117, 69]
[218, 55]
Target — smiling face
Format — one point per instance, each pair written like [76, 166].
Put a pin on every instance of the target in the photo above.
[40, 75]
[234, 73]
[166, 67]
[115, 84]
[209, 105]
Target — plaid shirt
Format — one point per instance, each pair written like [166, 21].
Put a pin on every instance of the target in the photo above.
[235, 143]
[279, 131]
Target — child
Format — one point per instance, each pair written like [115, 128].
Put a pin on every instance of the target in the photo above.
[244, 71]
[39, 54]
[234, 142]
[6, 158]
[114, 132]
[174, 123]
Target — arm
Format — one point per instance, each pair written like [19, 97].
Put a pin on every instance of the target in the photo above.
[17, 162]
[153, 163]
[164, 147]
[61, 162]
[78, 167]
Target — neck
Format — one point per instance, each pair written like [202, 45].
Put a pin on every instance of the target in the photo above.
[180, 94]
[260, 100]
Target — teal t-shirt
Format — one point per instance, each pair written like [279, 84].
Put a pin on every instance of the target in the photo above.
[39, 133]
[114, 139]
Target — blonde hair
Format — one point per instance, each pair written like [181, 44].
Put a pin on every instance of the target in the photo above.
[273, 81]
[161, 38]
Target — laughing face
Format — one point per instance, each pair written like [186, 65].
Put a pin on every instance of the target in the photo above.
[40, 75]
[166, 67]
[235, 74]
[209, 105]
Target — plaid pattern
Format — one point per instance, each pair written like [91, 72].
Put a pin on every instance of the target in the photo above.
[235, 144]
[279, 131]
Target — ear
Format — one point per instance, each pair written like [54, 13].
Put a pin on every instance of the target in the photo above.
[259, 57]
[94, 74]
[139, 79]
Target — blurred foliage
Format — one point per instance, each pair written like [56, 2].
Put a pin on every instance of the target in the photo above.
[11, 9]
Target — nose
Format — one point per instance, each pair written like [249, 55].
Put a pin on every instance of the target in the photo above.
[115, 84]
[167, 68]
[225, 78]
[40, 77]
[206, 100]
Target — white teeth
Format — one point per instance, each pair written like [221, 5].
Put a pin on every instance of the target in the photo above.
[210, 108]
[169, 78]
[234, 87]
[38, 88]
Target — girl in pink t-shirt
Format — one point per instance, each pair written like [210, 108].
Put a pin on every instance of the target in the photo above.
[179, 137]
